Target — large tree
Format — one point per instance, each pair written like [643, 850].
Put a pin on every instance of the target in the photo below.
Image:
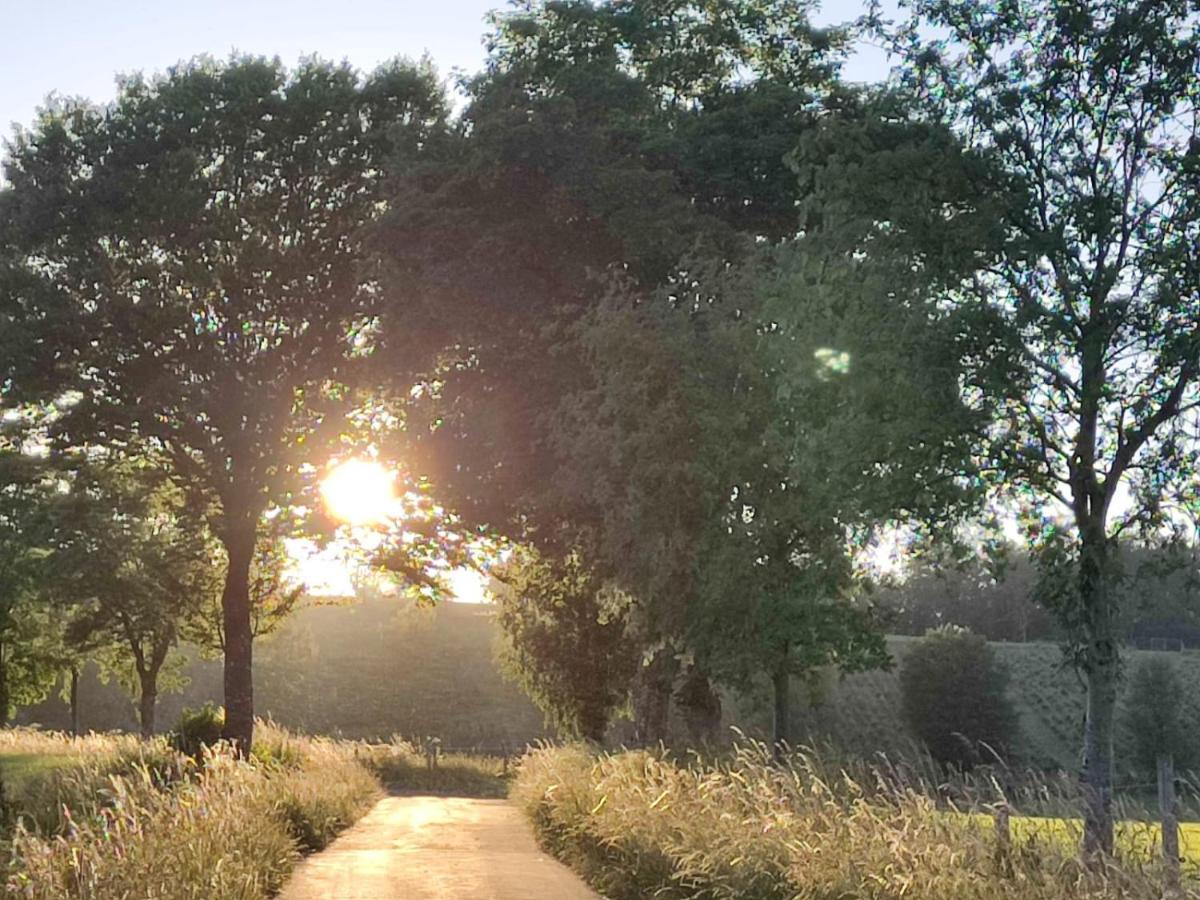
[1091, 110]
[601, 137]
[190, 259]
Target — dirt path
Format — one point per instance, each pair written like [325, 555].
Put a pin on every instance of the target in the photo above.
[422, 848]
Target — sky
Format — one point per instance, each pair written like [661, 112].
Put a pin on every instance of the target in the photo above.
[77, 47]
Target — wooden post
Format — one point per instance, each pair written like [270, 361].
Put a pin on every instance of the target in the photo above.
[1000, 815]
[74, 695]
[1170, 821]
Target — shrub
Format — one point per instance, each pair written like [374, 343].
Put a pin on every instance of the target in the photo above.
[199, 729]
[1156, 717]
[954, 697]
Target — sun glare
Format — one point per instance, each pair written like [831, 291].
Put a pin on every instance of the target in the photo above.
[360, 492]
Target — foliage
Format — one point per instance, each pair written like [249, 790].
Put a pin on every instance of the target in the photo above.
[564, 640]
[954, 691]
[192, 260]
[29, 644]
[198, 730]
[997, 604]
[131, 566]
[1158, 715]
[1088, 113]
[636, 825]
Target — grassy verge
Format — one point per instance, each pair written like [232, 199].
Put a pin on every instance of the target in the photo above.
[119, 818]
[402, 767]
[637, 824]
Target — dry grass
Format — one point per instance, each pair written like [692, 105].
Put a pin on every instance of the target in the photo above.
[402, 766]
[126, 819]
[637, 824]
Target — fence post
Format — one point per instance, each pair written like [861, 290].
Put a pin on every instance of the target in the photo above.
[1000, 815]
[1170, 821]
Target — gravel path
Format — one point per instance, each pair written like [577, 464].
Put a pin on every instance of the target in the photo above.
[422, 848]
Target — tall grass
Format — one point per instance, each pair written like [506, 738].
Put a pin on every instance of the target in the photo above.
[638, 824]
[151, 823]
[402, 766]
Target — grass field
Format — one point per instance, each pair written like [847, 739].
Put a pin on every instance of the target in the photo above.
[1138, 843]
[863, 712]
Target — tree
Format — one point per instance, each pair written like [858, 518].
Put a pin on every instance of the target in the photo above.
[572, 159]
[28, 642]
[272, 597]
[191, 261]
[725, 504]
[589, 146]
[564, 640]
[133, 567]
[1091, 113]
[954, 695]
[1157, 716]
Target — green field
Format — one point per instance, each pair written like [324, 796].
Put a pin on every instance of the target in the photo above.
[1136, 842]
[862, 712]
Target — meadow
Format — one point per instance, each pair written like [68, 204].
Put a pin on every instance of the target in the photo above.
[638, 824]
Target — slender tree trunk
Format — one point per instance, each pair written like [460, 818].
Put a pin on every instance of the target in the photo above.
[239, 639]
[74, 700]
[147, 701]
[781, 683]
[1102, 659]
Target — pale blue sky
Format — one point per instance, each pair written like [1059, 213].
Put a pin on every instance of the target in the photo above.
[76, 47]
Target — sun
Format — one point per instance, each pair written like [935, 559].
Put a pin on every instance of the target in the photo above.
[360, 492]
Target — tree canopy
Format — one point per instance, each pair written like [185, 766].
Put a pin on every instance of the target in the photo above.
[191, 263]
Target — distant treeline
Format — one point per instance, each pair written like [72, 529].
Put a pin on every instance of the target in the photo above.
[1005, 603]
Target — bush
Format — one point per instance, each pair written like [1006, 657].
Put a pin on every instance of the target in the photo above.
[199, 729]
[954, 697]
[1156, 717]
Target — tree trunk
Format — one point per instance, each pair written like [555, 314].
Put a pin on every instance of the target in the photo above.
[699, 707]
[652, 705]
[1102, 659]
[74, 700]
[781, 683]
[147, 702]
[239, 637]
